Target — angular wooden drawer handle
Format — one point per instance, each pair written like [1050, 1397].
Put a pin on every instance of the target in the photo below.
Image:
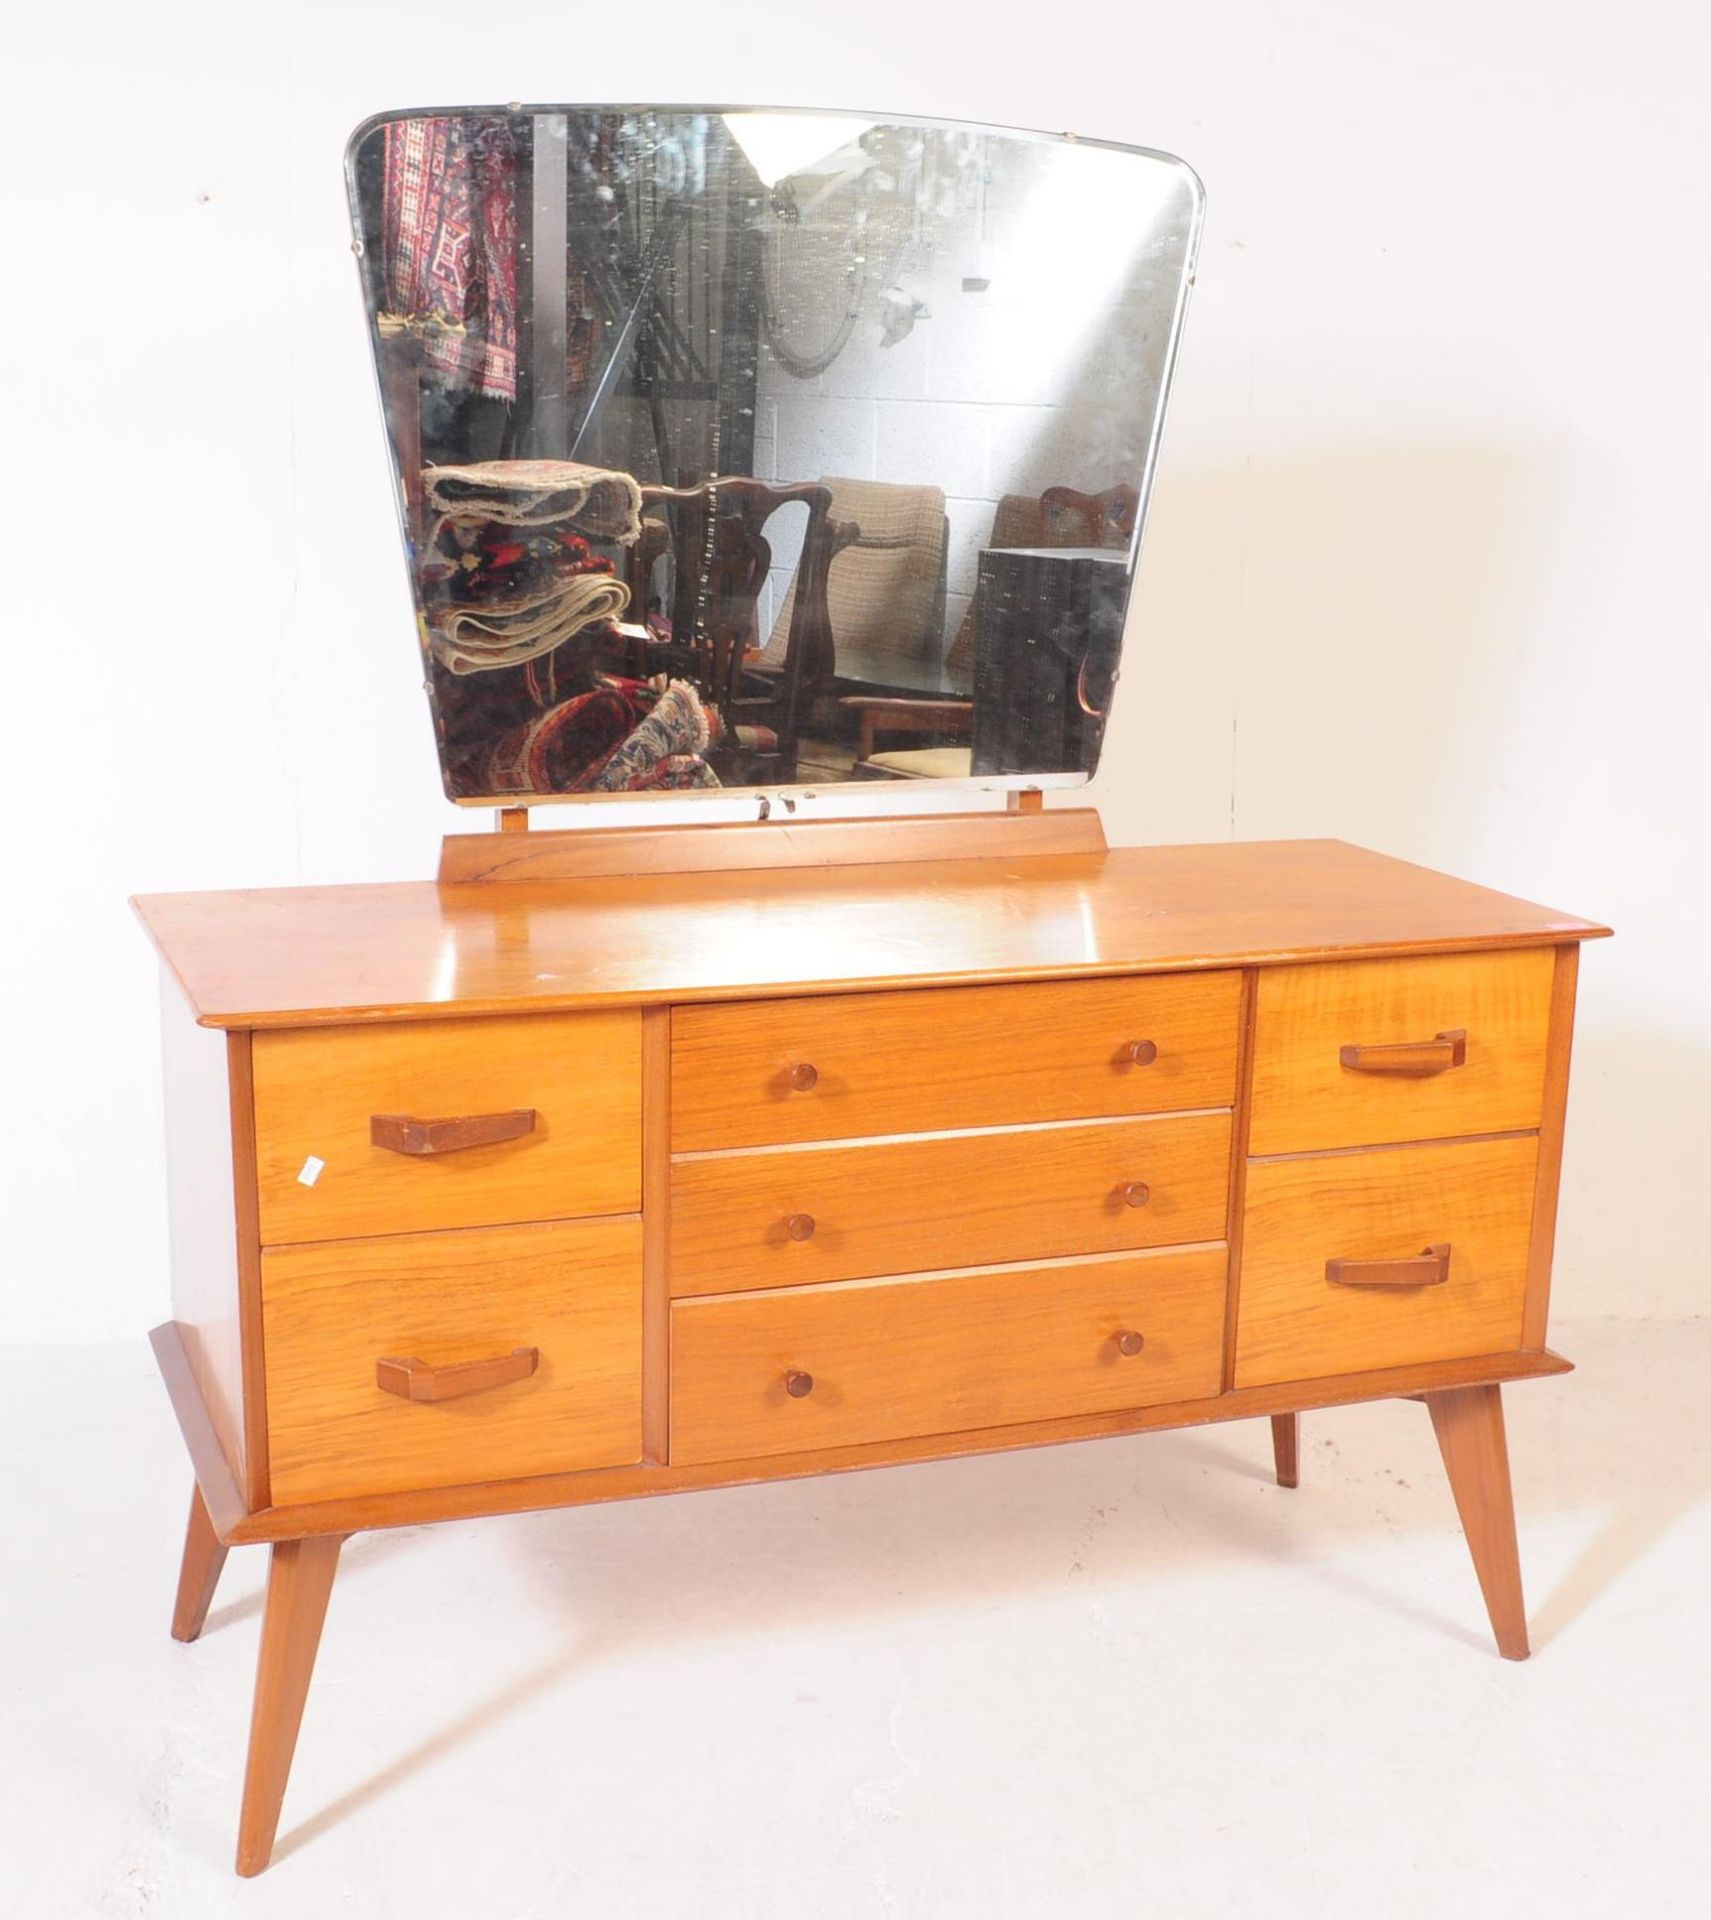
[1130, 1342]
[800, 1226]
[1139, 1053]
[416, 1380]
[1428, 1268]
[1135, 1193]
[802, 1076]
[404, 1133]
[798, 1384]
[1442, 1051]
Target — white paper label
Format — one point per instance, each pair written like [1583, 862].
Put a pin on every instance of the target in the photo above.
[311, 1171]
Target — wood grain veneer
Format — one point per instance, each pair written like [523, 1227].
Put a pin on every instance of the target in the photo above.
[1305, 1097]
[1386, 1203]
[211, 1209]
[317, 1092]
[902, 1140]
[745, 846]
[551, 1490]
[954, 1058]
[222, 1495]
[962, 1199]
[656, 1232]
[335, 1309]
[302, 956]
[1241, 1122]
[937, 1353]
[1551, 1128]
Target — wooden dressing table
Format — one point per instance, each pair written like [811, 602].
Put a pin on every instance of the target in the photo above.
[636, 1162]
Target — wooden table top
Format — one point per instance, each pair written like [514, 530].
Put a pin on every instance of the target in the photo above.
[302, 956]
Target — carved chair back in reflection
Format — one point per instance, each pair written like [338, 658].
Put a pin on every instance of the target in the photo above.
[720, 557]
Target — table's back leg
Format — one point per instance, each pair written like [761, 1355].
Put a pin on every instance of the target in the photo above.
[1469, 1424]
[199, 1574]
[1286, 1448]
[299, 1581]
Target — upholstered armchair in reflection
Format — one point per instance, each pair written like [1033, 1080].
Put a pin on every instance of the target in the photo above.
[1059, 517]
[885, 592]
[715, 535]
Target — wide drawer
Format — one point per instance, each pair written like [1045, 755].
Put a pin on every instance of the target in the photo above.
[1395, 1297]
[332, 1312]
[765, 1072]
[788, 1216]
[942, 1353]
[1357, 1052]
[567, 1087]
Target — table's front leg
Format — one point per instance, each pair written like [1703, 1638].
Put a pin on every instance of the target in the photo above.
[299, 1581]
[1468, 1422]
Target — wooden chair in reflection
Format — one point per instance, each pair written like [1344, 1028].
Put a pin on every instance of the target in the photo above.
[720, 557]
[1059, 517]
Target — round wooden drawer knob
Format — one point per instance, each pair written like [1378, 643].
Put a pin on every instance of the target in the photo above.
[800, 1226]
[1141, 1053]
[1136, 1193]
[798, 1384]
[1130, 1342]
[802, 1076]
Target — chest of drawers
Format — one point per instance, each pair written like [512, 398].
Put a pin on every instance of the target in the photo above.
[531, 1190]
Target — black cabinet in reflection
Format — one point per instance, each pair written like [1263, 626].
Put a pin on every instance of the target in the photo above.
[1048, 630]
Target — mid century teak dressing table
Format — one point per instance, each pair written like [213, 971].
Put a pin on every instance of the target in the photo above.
[640, 1161]
[644, 1159]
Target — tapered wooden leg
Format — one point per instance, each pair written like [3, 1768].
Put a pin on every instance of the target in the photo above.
[299, 1580]
[1286, 1448]
[1469, 1424]
[199, 1574]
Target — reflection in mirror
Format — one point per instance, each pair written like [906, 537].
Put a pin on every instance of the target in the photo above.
[761, 449]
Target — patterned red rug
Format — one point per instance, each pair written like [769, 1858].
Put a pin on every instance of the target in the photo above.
[449, 247]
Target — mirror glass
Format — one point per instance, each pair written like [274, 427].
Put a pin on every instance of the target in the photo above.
[743, 449]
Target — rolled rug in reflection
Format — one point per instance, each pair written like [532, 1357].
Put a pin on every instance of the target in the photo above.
[594, 501]
[484, 563]
[478, 639]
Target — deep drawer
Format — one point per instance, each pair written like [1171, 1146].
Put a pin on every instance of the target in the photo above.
[771, 1072]
[331, 1312]
[942, 1353]
[1390, 1302]
[789, 1216]
[565, 1090]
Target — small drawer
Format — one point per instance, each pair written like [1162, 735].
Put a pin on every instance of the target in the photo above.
[790, 1216]
[771, 1072]
[331, 1313]
[1430, 1245]
[537, 1118]
[1359, 1052]
[863, 1361]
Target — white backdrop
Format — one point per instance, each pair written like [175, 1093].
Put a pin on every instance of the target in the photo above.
[1425, 569]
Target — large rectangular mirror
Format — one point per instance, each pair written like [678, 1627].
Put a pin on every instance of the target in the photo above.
[766, 449]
